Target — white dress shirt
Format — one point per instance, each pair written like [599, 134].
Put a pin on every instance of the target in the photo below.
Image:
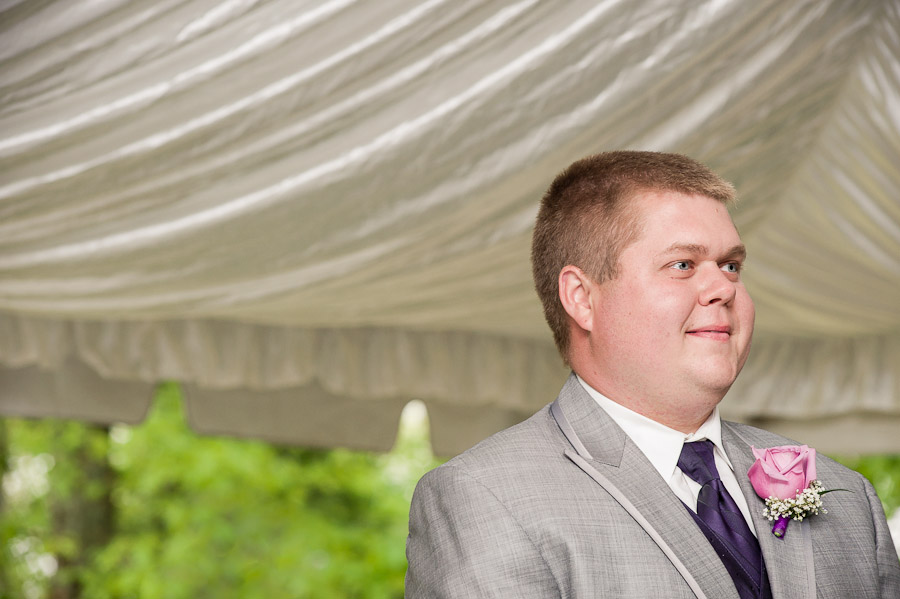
[662, 446]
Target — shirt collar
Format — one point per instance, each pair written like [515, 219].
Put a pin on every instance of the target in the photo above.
[661, 444]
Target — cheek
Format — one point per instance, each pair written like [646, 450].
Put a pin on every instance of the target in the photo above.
[646, 314]
[746, 310]
[663, 314]
[672, 306]
[624, 319]
[746, 314]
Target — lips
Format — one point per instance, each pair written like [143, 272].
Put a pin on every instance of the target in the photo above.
[719, 332]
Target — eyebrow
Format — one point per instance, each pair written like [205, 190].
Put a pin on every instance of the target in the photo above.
[738, 252]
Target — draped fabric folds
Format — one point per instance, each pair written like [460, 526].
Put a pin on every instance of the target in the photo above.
[310, 213]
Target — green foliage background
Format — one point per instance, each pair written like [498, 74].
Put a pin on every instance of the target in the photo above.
[215, 517]
[155, 511]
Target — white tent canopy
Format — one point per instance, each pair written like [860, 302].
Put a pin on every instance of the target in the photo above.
[310, 213]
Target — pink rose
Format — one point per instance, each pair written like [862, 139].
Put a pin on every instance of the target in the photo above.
[782, 472]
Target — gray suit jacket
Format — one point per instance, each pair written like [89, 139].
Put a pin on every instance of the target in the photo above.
[529, 513]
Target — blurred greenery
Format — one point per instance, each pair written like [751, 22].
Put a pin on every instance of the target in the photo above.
[883, 471]
[204, 516]
[155, 511]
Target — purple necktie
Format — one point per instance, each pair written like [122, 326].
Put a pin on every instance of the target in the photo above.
[721, 521]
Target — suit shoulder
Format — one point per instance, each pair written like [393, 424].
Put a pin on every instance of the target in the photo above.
[520, 446]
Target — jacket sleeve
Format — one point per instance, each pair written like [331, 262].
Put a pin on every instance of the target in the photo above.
[886, 552]
[464, 542]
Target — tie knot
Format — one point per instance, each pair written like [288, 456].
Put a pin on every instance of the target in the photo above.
[698, 462]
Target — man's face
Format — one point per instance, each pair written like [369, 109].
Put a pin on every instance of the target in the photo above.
[674, 326]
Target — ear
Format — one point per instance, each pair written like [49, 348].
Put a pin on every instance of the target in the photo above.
[575, 289]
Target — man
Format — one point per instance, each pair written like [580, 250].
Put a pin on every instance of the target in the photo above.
[629, 485]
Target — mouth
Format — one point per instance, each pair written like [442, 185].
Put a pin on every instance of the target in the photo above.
[714, 332]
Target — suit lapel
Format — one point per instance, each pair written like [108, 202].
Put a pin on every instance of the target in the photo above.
[617, 459]
[789, 560]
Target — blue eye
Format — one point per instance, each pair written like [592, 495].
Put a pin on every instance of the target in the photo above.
[731, 267]
[681, 265]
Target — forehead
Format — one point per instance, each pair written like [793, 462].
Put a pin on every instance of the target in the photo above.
[672, 220]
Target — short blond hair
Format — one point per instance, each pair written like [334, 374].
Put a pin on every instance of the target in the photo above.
[586, 218]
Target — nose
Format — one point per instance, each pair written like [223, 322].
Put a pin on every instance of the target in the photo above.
[715, 286]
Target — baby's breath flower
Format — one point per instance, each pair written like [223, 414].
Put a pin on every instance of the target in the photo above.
[805, 504]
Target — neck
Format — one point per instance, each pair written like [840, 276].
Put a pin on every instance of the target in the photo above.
[673, 412]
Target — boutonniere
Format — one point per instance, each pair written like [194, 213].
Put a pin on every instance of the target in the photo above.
[785, 477]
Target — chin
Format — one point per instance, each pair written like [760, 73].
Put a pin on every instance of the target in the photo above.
[724, 364]
[720, 386]
[717, 381]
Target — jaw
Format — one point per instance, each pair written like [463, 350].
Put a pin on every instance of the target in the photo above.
[714, 374]
[712, 362]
